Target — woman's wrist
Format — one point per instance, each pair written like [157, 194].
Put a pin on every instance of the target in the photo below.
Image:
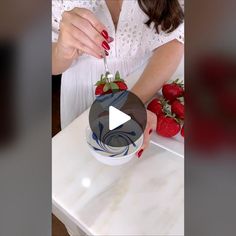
[62, 59]
[64, 53]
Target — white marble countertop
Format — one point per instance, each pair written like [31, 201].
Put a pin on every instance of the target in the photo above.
[142, 197]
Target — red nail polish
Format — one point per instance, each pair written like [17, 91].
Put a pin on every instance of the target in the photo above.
[150, 131]
[105, 45]
[110, 40]
[106, 52]
[104, 34]
[140, 153]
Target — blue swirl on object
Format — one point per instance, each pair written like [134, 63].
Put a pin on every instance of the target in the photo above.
[107, 137]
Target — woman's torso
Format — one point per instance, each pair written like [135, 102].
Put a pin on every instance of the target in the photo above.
[132, 47]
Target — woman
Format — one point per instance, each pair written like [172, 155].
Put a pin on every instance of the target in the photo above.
[129, 32]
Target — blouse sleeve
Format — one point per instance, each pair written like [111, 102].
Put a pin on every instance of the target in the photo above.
[156, 40]
[57, 10]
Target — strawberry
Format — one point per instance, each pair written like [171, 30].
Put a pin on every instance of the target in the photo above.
[173, 90]
[178, 108]
[167, 126]
[182, 131]
[121, 85]
[155, 107]
[107, 92]
[99, 89]
[108, 85]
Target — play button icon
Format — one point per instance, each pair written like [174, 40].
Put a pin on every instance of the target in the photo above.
[117, 118]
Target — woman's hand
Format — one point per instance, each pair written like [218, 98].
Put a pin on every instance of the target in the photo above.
[81, 31]
[167, 57]
[151, 125]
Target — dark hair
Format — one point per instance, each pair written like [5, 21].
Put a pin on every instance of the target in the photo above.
[167, 14]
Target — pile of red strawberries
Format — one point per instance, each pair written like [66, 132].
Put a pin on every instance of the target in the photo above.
[169, 109]
[106, 85]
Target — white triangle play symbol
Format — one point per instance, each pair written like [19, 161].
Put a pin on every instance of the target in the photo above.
[116, 118]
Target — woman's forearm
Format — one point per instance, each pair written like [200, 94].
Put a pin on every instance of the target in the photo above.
[60, 63]
[160, 68]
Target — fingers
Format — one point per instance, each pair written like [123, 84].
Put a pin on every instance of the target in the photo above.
[85, 40]
[84, 25]
[151, 125]
[72, 42]
[89, 16]
[84, 48]
[110, 39]
[146, 140]
[152, 118]
[93, 34]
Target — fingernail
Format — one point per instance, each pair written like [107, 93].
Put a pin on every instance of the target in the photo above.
[110, 40]
[106, 52]
[150, 131]
[140, 153]
[104, 34]
[105, 45]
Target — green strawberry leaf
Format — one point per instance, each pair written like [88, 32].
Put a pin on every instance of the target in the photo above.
[118, 78]
[176, 81]
[106, 87]
[114, 86]
[100, 82]
[117, 75]
[181, 99]
[179, 82]
[164, 102]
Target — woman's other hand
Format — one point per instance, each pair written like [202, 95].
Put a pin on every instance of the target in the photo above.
[81, 32]
[150, 127]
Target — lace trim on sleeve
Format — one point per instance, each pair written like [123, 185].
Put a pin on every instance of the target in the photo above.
[157, 40]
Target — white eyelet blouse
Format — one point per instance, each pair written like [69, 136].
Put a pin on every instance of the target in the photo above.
[132, 47]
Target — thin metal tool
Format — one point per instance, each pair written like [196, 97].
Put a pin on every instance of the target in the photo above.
[109, 75]
[105, 63]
